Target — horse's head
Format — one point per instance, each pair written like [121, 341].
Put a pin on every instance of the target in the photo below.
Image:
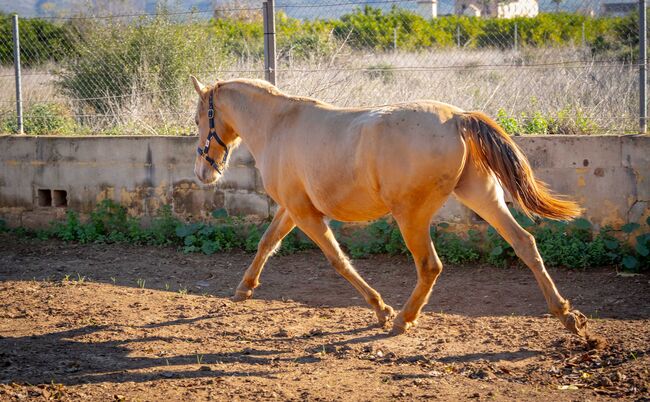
[216, 136]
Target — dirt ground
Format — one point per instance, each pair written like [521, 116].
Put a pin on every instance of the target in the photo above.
[115, 322]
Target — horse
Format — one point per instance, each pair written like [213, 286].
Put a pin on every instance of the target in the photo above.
[319, 162]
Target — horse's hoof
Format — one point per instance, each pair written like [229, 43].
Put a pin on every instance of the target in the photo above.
[576, 322]
[400, 326]
[242, 295]
[384, 315]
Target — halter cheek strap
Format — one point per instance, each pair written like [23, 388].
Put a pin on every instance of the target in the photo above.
[203, 152]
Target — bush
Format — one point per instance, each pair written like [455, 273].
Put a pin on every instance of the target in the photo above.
[565, 121]
[41, 119]
[117, 61]
[568, 244]
[35, 36]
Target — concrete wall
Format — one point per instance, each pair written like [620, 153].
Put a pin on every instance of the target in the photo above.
[608, 175]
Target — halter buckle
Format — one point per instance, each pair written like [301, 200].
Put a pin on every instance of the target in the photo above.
[210, 113]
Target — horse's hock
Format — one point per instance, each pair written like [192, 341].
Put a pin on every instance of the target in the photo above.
[42, 177]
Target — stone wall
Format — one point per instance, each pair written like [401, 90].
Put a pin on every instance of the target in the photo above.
[40, 177]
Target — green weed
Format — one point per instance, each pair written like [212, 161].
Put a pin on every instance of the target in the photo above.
[569, 244]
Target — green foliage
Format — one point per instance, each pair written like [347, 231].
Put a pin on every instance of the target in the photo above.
[372, 28]
[35, 35]
[454, 249]
[509, 124]
[295, 241]
[117, 60]
[377, 238]
[636, 258]
[564, 121]
[575, 245]
[568, 244]
[167, 47]
[41, 119]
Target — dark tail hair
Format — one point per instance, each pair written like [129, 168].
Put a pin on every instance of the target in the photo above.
[492, 149]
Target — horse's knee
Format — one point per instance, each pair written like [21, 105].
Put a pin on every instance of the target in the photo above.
[430, 269]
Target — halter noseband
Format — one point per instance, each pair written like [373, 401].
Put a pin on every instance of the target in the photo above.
[203, 152]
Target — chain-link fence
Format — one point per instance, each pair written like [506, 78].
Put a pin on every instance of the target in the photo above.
[553, 66]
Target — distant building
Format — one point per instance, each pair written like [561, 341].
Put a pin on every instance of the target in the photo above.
[428, 8]
[618, 8]
[496, 8]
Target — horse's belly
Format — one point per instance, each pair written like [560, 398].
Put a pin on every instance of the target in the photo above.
[351, 206]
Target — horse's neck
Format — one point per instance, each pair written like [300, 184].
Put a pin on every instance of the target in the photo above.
[251, 113]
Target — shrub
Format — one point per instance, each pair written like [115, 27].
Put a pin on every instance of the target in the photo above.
[565, 121]
[116, 61]
[568, 244]
[452, 248]
[41, 119]
[35, 36]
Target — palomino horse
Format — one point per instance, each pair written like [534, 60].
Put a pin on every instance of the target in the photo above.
[319, 161]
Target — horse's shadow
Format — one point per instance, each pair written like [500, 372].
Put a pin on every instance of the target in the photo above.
[64, 357]
[61, 358]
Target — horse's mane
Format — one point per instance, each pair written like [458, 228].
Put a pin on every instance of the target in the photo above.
[264, 87]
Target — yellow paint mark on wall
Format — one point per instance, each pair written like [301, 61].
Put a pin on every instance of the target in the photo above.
[37, 163]
[161, 189]
[108, 193]
[581, 176]
[614, 217]
[126, 197]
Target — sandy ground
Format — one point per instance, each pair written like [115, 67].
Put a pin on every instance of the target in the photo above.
[115, 322]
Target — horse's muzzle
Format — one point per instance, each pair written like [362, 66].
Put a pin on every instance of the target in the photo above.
[204, 172]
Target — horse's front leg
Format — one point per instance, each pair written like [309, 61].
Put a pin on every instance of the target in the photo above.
[418, 240]
[280, 226]
[312, 223]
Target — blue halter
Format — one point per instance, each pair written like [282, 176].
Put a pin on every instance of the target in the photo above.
[203, 152]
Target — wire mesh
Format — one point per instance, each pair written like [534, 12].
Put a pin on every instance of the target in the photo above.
[553, 66]
[539, 67]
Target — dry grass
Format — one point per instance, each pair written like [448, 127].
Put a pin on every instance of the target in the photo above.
[546, 81]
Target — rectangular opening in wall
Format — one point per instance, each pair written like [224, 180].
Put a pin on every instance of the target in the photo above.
[44, 197]
[59, 198]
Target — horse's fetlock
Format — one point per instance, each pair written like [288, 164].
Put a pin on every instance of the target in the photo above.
[249, 284]
[561, 309]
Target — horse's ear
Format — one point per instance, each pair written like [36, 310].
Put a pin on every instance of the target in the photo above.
[198, 87]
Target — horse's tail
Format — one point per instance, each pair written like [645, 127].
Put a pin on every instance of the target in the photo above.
[492, 149]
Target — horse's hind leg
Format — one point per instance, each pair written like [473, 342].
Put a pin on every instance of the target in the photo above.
[280, 226]
[482, 193]
[312, 223]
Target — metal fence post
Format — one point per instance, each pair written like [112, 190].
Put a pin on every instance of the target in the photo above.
[394, 39]
[643, 69]
[269, 41]
[516, 34]
[19, 91]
